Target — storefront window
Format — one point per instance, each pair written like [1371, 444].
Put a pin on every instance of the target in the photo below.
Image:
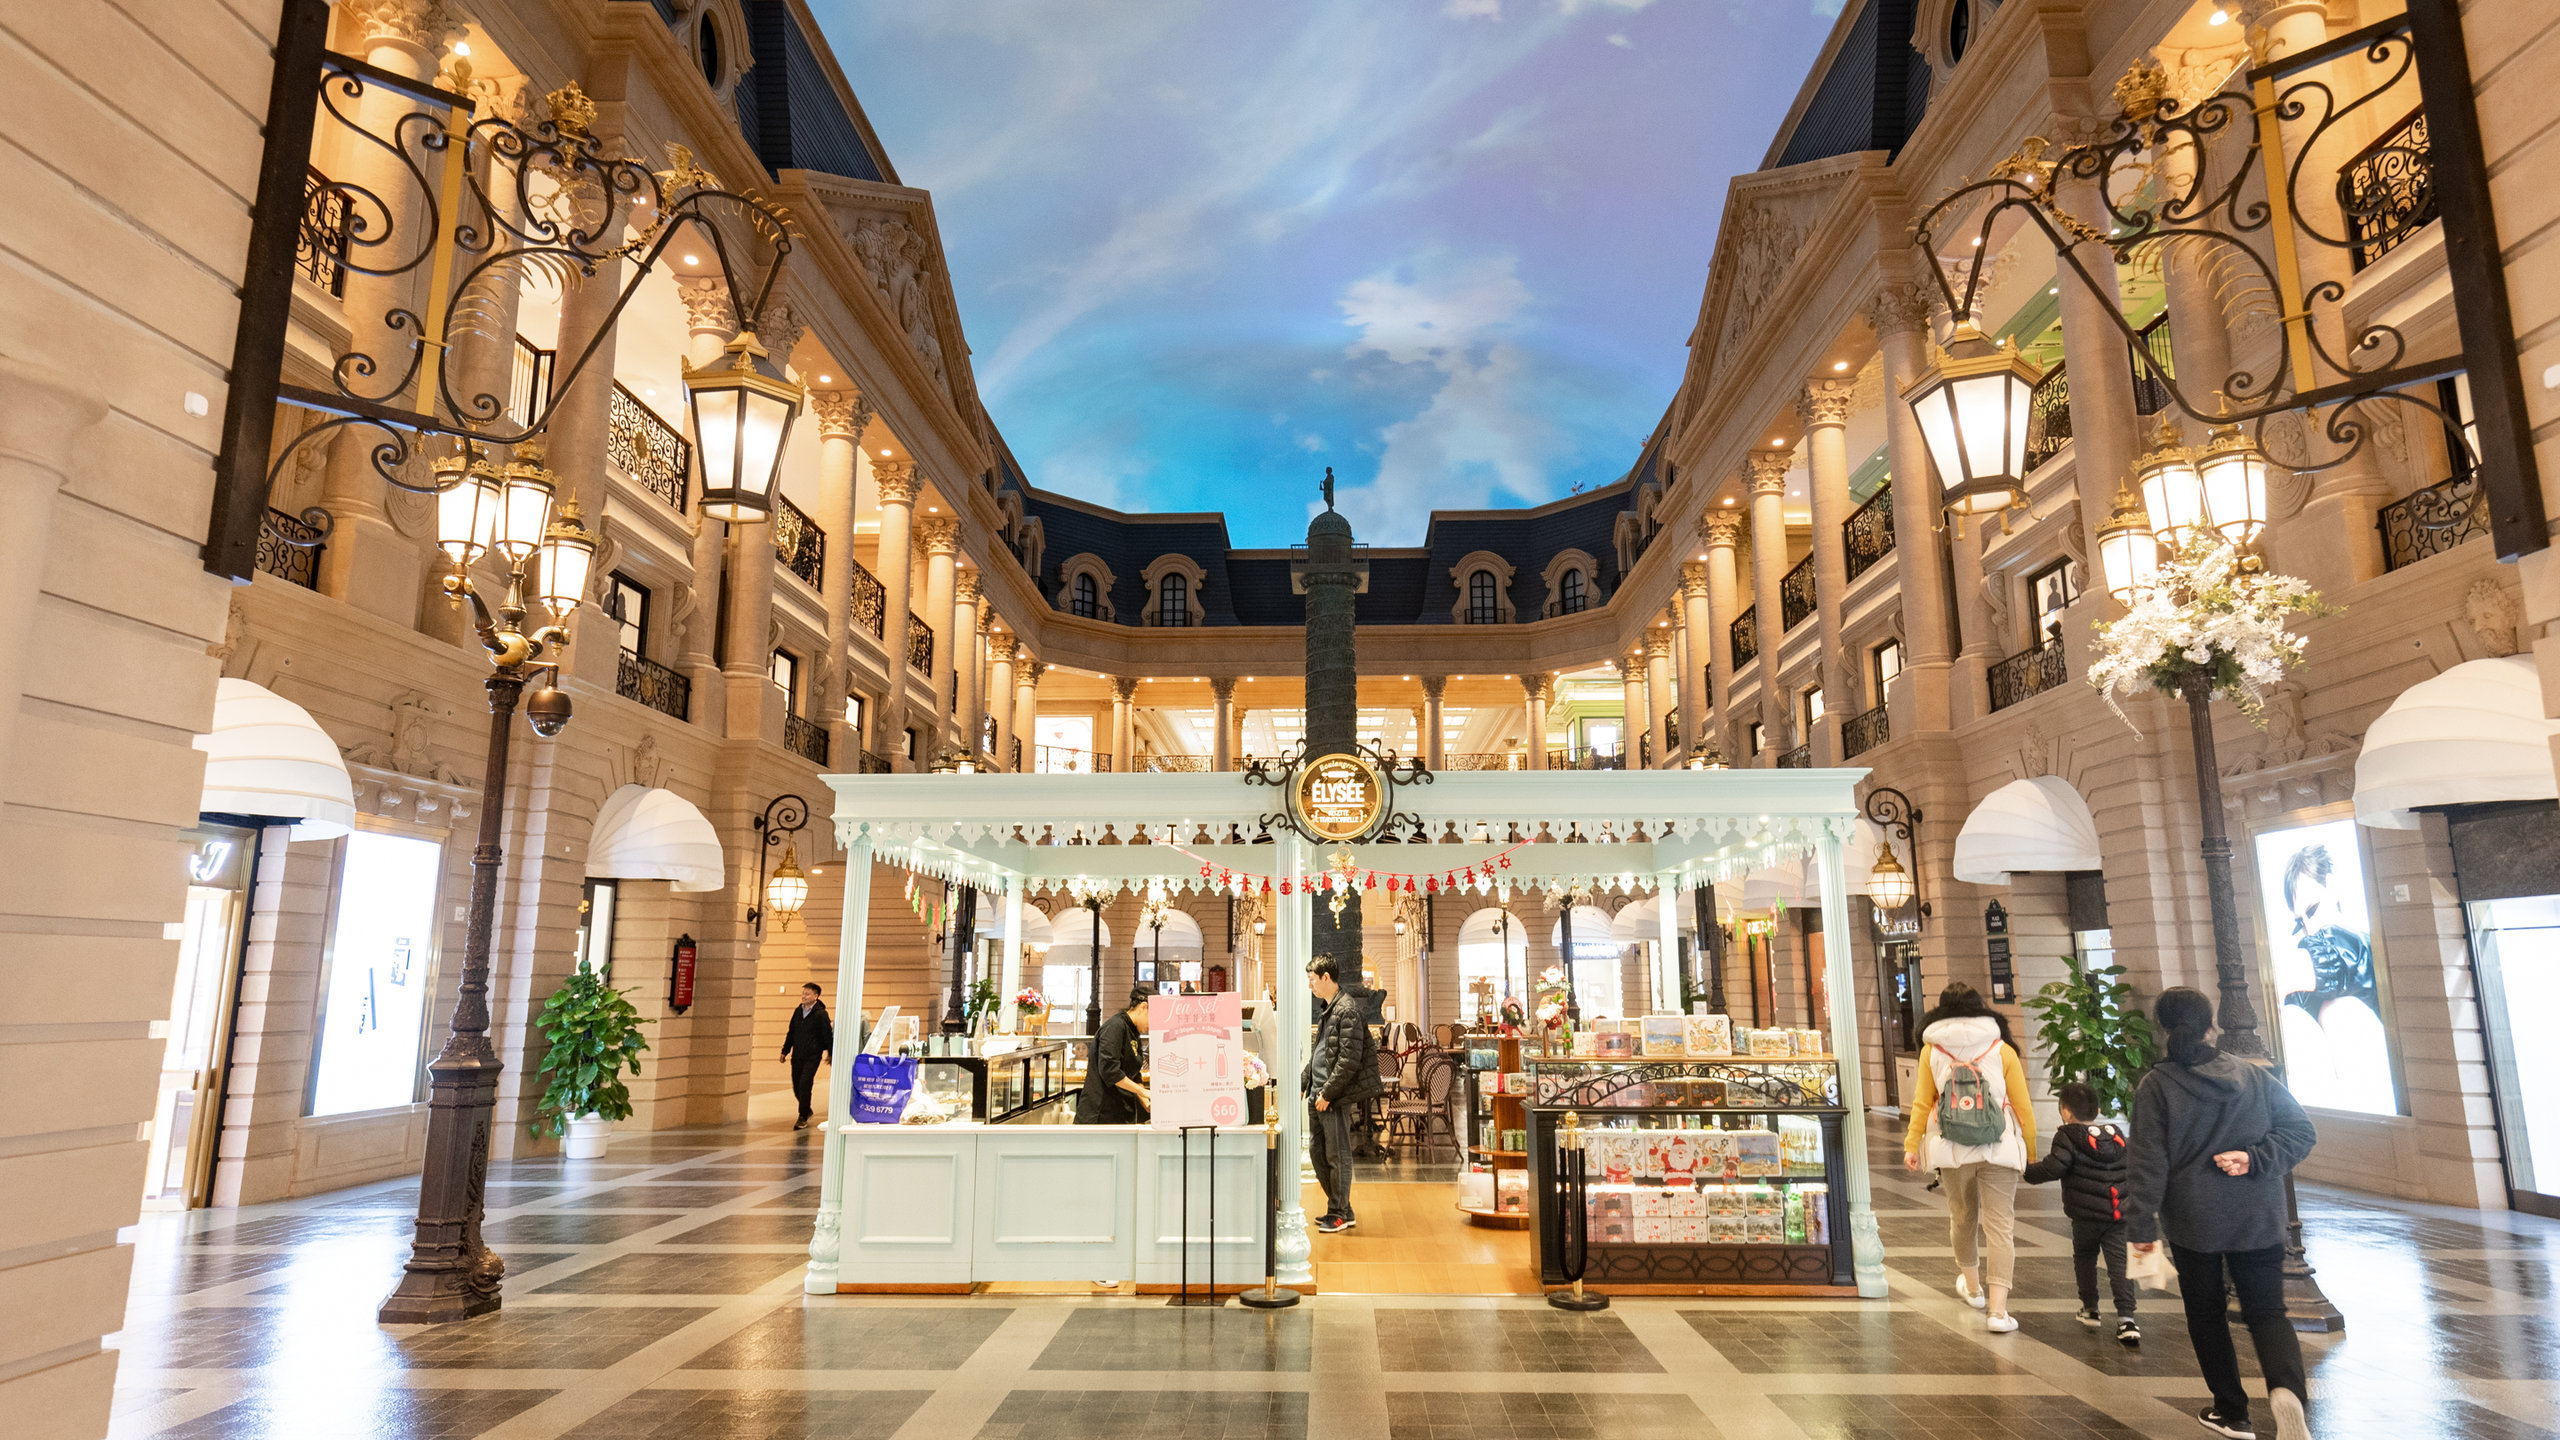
[381, 966]
[2317, 917]
[2515, 945]
[1491, 966]
[595, 927]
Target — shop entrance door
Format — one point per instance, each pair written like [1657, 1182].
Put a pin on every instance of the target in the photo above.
[178, 1164]
[2515, 947]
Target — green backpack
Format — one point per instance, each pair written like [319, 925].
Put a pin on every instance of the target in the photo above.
[1967, 1115]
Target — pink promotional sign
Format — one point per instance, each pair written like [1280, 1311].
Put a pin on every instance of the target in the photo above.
[1195, 1059]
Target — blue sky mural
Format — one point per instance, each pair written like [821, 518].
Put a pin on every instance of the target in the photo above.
[1204, 248]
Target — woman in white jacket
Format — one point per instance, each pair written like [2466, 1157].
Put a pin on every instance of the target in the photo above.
[1971, 1063]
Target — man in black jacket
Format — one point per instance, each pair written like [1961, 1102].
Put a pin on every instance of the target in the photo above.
[1342, 1071]
[811, 1038]
[1113, 1094]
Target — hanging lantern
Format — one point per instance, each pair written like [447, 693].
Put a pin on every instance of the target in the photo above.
[468, 497]
[568, 554]
[2128, 553]
[787, 888]
[1973, 408]
[2172, 491]
[1888, 884]
[2234, 474]
[742, 413]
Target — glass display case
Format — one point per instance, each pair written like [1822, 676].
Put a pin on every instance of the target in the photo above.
[1699, 1175]
[992, 1088]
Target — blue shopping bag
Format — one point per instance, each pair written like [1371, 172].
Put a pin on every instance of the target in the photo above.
[881, 1087]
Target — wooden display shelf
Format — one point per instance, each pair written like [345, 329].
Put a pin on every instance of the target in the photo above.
[1515, 1218]
[1491, 1154]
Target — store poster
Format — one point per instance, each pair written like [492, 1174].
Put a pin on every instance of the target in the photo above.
[374, 1021]
[2318, 920]
[1195, 1059]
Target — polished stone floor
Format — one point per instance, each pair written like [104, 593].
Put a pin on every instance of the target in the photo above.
[654, 1295]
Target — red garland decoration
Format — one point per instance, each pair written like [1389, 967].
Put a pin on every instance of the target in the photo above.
[1409, 884]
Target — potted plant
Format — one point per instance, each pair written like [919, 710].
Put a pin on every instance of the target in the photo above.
[2094, 1033]
[593, 1033]
[1031, 1011]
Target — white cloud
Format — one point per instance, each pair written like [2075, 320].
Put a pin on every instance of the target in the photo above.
[1576, 7]
[1473, 9]
[1436, 315]
[1311, 443]
[1622, 42]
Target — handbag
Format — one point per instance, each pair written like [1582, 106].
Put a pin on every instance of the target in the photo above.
[2148, 1267]
[882, 1085]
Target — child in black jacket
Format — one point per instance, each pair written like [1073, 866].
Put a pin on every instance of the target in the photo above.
[2088, 1158]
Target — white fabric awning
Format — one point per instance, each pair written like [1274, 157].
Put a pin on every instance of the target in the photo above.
[646, 834]
[1181, 932]
[1638, 922]
[2474, 734]
[2026, 825]
[266, 756]
[1072, 928]
[1590, 923]
[1483, 926]
[1036, 931]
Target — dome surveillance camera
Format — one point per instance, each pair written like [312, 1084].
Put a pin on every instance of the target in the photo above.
[548, 709]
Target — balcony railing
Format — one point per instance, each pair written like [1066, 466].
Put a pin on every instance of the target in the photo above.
[1172, 765]
[1864, 731]
[1795, 595]
[289, 546]
[653, 685]
[874, 763]
[799, 541]
[920, 641]
[647, 448]
[1486, 760]
[870, 600]
[1066, 760]
[2049, 417]
[805, 738]
[320, 250]
[1800, 758]
[2150, 392]
[2387, 192]
[2429, 522]
[1015, 763]
[1867, 534]
[1577, 757]
[529, 382]
[1746, 637]
[2027, 673]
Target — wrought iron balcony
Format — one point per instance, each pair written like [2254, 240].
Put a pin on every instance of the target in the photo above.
[870, 600]
[1796, 595]
[1172, 765]
[647, 448]
[653, 685]
[1575, 757]
[874, 763]
[1800, 758]
[799, 541]
[2027, 673]
[920, 641]
[2150, 393]
[529, 382]
[289, 546]
[1867, 535]
[2049, 417]
[2387, 192]
[2430, 522]
[1746, 637]
[1864, 731]
[1486, 760]
[1065, 760]
[320, 249]
[805, 738]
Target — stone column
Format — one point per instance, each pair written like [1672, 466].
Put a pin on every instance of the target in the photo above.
[43, 410]
[1768, 470]
[1723, 529]
[1124, 692]
[2104, 427]
[1222, 693]
[581, 436]
[964, 660]
[1632, 708]
[1000, 653]
[1435, 748]
[747, 670]
[1696, 621]
[939, 537]
[1026, 708]
[1899, 311]
[1540, 689]
[841, 415]
[1825, 408]
[1658, 694]
[709, 322]
[1969, 694]
[894, 568]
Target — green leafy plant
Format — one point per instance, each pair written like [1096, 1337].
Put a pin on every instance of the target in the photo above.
[2094, 1033]
[981, 1001]
[593, 1033]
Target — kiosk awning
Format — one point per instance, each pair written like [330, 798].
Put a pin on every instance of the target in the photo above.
[2474, 734]
[1036, 930]
[267, 757]
[1590, 923]
[2026, 825]
[646, 834]
[1073, 927]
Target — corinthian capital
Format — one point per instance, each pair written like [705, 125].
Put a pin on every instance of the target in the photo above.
[1223, 687]
[429, 25]
[1657, 643]
[1723, 527]
[896, 480]
[967, 589]
[1435, 686]
[1540, 687]
[1897, 306]
[1768, 471]
[1001, 648]
[708, 308]
[937, 534]
[1124, 689]
[1693, 573]
[841, 414]
[1824, 402]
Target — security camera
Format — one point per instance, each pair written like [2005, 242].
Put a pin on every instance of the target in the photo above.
[548, 710]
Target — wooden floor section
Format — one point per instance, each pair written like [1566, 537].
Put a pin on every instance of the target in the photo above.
[1413, 1240]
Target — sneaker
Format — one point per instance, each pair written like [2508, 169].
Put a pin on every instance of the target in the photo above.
[2291, 1423]
[1970, 1296]
[1333, 1225]
[803, 1124]
[2127, 1332]
[2212, 1420]
[1346, 1222]
[2000, 1324]
[2087, 1316]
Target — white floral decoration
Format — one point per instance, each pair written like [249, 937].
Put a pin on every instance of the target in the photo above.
[2206, 611]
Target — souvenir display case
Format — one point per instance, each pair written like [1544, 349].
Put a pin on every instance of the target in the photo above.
[1721, 1173]
[992, 1088]
[1495, 1189]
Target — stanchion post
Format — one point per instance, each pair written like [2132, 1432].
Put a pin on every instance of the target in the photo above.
[1571, 1199]
[1270, 1296]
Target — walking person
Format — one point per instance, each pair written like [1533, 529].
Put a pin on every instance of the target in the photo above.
[810, 1038]
[2088, 1157]
[2213, 1139]
[1342, 1071]
[1970, 1123]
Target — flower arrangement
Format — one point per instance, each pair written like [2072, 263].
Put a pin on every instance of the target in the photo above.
[1256, 1074]
[1029, 1000]
[2208, 611]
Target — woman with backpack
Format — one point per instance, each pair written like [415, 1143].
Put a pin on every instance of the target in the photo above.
[2213, 1139]
[1970, 1122]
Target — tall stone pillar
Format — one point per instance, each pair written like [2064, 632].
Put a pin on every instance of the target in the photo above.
[1000, 652]
[1696, 620]
[939, 537]
[1825, 408]
[1540, 688]
[841, 416]
[581, 433]
[2104, 426]
[709, 322]
[1899, 311]
[1658, 694]
[747, 670]
[1723, 530]
[1124, 694]
[964, 659]
[895, 568]
[1768, 470]
[1331, 579]
[1435, 746]
[1633, 708]
[1222, 694]
[1026, 708]
[1970, 695]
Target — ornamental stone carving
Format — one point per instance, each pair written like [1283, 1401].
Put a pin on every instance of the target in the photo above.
[428, 25]
[841, 414]
[898, 259]
[1723, 527]
[1124, 689]
[1824, 402]
[1767, 470]
[1764, 246]
[1897, 307]
[1027, 674]
[1224, 688]
[779, 328]
[408, 750]
[1693, 579]
[968, 588]
[2493, 615]
[895, 480]
[937, 534]
[1540, 688]
[1433, 686]
[707, 308]
[1657, 642]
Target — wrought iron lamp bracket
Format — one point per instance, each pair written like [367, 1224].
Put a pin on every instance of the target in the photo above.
[783, 815]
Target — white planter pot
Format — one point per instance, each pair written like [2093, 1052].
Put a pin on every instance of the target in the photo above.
[586, 1137]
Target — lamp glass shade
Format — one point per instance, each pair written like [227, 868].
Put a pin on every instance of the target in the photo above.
[524, 511]
[2233, 474]
[2131, 560]
[568, 555]
[742, 413]
[467, 511]
[1889, 886]
[715, 431]
[2173, 493]
[1973, 408]
[786, 889]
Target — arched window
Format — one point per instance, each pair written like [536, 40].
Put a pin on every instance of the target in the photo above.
[1959, 30]
[1484, 606]
[1087, 601]
[1573, 594]
[1173, 600]
[706, 48]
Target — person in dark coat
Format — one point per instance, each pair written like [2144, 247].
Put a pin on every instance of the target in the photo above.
[2213, 1139]
[1113, 1094]
[1342, 1071]
[1364, 1122]
[810, 1039]
[2088, 1157]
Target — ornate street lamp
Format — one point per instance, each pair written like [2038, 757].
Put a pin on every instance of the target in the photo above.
[452, 1274]
[2234, 473]
[1973, 407]
[1888, 884]
[2172, 490]
[742, 411]
[2128, 552]
[784, 890]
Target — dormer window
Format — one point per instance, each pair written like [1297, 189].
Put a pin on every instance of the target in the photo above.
[1484, 599]
[1087, 603]
[1574, 594]
[706, 48]
[1173, 600]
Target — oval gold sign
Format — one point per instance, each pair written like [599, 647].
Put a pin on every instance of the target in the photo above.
[1339, 797]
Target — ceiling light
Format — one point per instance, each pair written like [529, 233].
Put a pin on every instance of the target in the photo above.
[933, 509]
[1839, 364]
[693, 259]
[1728, 499]
[1977, 242]
[885, 450]
[826, 379]
[463, 48]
